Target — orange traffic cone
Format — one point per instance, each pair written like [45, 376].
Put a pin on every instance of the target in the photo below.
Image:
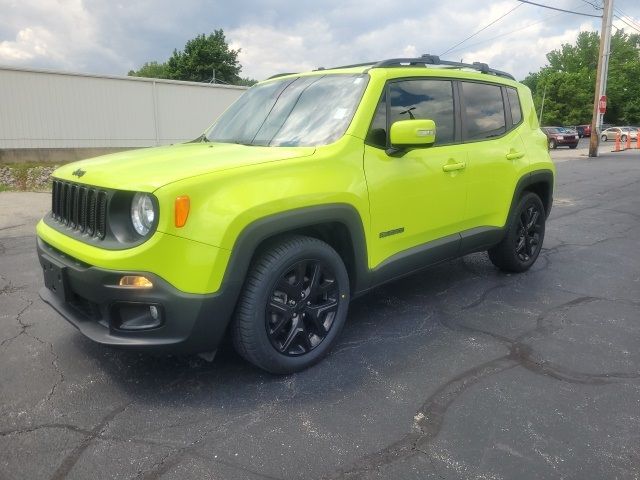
[628, 145]
[638, 141]
[617, 147]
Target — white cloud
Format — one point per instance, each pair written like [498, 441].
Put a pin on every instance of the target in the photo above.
[29, 43]
[61, 34]
[112, 36]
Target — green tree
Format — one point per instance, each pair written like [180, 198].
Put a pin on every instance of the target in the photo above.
[201, 58]
[151, 70]
[568, 81]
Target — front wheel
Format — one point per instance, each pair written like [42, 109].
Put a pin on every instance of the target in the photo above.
[553, 144]
[623, 138]
[604, 138]
[293, 305]
[521, 245]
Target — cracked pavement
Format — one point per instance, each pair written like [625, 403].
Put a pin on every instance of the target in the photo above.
[457, 372]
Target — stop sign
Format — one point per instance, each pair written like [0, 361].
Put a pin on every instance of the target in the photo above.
[602, 104]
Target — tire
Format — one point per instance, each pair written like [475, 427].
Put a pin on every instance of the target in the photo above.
[573, 146]
[293, 305]
[517, 252]
[553, 144]
[604, 138]
[623, 138]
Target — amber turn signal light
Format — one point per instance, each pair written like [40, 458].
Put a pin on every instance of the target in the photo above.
[182, 210]
[135, 281]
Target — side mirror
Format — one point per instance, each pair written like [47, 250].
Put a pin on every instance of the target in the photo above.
[405, 134]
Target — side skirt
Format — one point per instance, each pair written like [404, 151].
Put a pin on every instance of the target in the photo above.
[429, 254]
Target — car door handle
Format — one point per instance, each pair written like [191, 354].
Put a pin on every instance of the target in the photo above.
[514, 155]
[450, 167]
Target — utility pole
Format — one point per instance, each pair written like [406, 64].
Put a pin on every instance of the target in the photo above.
[544, 94]
[601, 76]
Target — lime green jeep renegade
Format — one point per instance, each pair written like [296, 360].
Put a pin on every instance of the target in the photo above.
[309, 190]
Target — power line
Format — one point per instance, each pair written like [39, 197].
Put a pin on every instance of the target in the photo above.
[482, 29]
[510, 32]
[627, 23]
[628, 17]
[560, 9]
[597, 7]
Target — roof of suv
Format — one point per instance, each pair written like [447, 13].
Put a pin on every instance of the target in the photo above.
[429, 61]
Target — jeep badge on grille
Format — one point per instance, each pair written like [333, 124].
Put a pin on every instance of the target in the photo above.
[78, 173]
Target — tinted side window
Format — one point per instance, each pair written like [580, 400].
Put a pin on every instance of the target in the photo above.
[425, 99]
[483, 110]
[514, 104]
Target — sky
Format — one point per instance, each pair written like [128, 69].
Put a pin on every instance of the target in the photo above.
[113, 37]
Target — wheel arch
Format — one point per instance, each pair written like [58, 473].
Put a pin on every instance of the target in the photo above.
[339, 225]
[539, 182]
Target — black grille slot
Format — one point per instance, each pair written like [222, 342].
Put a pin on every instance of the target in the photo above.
[80, 208]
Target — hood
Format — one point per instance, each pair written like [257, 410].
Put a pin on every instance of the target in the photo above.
[148, 169]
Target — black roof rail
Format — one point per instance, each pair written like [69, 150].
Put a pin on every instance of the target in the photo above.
[363, 64]
[426, 59]
[281, 75]
[435, 60]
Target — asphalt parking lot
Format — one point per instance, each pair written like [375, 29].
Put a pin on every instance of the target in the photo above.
[457, 372]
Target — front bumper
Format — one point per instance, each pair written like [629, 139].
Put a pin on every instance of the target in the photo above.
[567, 141]
[92, 301]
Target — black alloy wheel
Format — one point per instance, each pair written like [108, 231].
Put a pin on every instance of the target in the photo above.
[523, 238]
[293, 305]
[302, 307]
[528, 240]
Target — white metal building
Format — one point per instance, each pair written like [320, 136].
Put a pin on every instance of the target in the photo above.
[42, 109]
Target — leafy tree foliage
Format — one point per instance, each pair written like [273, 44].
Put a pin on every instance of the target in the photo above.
[202, 56]
[151, 70]
[570, 79]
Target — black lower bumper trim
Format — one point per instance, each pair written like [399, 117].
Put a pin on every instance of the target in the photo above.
[191, 323]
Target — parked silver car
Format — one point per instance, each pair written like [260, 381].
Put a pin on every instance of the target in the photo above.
[610, 133]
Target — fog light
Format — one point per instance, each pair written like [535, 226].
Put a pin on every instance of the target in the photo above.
[135, 316]
[135, 281]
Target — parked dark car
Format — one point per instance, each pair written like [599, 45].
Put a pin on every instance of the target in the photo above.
[561, 136]
[584, 130]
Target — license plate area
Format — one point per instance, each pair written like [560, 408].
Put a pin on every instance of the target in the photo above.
[55, 278]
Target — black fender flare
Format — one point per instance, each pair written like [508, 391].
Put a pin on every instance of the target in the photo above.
[539, 176]
[260, 230]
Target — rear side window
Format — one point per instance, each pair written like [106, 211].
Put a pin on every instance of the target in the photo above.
[514, 105]
[425, 99]
[483, 111]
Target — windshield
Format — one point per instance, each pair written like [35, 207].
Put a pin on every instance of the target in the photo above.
[293, 112]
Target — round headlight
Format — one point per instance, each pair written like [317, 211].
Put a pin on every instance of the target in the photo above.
[142, 213]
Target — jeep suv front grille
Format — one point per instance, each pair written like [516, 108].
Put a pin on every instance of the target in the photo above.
[79, 207]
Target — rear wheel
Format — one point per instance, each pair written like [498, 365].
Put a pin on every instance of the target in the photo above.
[293, 305]
[521, 245]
